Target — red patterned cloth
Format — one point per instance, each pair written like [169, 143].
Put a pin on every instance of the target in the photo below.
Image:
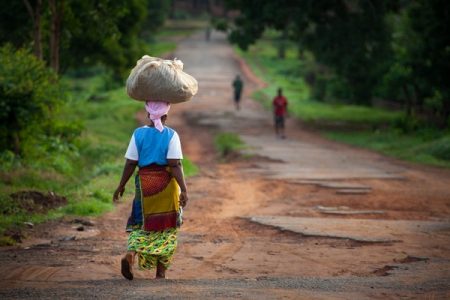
[154, 179]
[162, 221]
[160, 198]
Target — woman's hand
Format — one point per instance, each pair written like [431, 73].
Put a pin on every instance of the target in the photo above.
[128, 170]
[118, 193]
[183, 199]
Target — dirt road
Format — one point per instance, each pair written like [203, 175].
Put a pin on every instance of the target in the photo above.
[301, 218]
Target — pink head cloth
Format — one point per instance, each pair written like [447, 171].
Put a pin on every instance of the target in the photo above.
[157, 109]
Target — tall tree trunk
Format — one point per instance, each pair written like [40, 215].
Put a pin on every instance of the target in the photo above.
[15, 139]
[35, 14]
[57, 10]
[409, 100]
[172, 9]
[418, 97]
[282, 43]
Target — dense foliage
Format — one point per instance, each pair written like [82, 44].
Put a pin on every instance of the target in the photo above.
[83, 32]
[394, 50]
[29, 98]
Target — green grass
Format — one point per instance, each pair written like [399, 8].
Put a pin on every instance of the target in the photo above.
[189, 168]
[227, 143]
[432, 148]
[334, 114]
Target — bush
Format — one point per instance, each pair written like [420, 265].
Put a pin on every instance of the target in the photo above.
[440, 149]
[407, 124]
[220, 24]
[29, 97]
[227, 143]
[331, 88]
[9, 206]
[7, 160]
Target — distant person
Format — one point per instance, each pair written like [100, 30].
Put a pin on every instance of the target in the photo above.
[238, 85]
[280, 111]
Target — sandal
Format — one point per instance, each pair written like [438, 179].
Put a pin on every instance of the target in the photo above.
[126, 269]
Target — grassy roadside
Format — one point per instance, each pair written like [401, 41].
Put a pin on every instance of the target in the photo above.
[425, 147]
[87, 174]
[373, 128]
[227, 143]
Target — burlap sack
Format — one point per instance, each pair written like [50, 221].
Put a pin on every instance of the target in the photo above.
[160, 80]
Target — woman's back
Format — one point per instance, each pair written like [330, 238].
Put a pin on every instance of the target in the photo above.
[150, 146]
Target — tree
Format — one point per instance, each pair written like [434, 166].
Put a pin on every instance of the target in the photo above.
[418, 69]
[35, 15]
[79, 32]
[16, 26]
[57, 13]
[431, 56]
[349, 37]
[157, 13]
[62, 34]
[104, 31]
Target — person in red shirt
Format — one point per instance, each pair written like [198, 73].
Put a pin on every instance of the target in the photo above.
[280, 110]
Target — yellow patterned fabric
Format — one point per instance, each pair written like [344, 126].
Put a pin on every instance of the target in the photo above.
[153, 247]
[160, 198]
[165, 201]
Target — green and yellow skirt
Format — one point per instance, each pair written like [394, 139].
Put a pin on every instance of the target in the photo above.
[153, 247]
[154, 235]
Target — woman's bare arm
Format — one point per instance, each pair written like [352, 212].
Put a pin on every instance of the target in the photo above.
[128, 170]
[177, 172]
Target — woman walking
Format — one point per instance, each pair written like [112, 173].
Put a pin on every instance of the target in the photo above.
[160, 191]
[156, 150]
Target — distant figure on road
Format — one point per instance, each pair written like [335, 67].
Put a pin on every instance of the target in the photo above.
[238, 85]
[280, 110]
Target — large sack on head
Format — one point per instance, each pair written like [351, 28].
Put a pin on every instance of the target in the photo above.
[157, 79]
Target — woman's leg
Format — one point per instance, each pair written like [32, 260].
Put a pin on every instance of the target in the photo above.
[160, 271]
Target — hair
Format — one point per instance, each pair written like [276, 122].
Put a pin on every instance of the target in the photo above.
[280, 91]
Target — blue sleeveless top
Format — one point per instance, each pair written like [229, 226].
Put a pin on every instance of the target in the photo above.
[152, 145]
